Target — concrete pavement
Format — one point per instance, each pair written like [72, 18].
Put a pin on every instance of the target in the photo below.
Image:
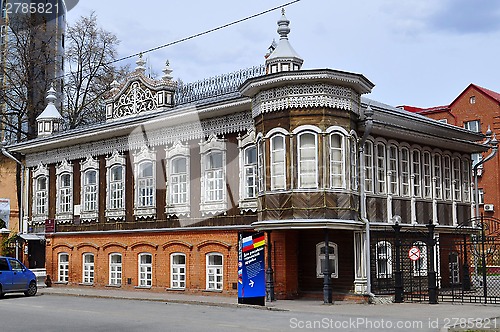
[443, 316]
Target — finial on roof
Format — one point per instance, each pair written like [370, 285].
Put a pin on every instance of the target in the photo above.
[115, 87]
[51, 95]
[283, 25]
[140, 64]
[167, 71]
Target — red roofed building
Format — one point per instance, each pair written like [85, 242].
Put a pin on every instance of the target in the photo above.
[476, 109]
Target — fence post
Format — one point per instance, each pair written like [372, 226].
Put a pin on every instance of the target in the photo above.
[431, 275]
[398, 275]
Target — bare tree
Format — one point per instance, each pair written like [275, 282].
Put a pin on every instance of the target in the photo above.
[90, 55]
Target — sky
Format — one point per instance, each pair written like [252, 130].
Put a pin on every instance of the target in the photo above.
[417, 52]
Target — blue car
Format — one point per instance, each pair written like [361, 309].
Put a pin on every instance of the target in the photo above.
[15, 277]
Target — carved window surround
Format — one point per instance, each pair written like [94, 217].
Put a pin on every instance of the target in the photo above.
[39, 171]
[207, 206]
[246, 203]
[115, 212]
[147, 211]
[64, 216]
[172, 153]
[89, 164]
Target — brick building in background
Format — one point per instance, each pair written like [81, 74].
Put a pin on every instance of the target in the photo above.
[476, 109]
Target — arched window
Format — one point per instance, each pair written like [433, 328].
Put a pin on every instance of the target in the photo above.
[145, 270]
[115, 269]
[41, 195]
[456, 179]
[447, 177]
[88, 268]
[249, 172]
[381, 169]
[261, 165]
[466, 179]
[90, 190]
[420, 265]
[308, 160]
[278, 162]
[145, 184]
[337, 161]
[384, 259]
[393, 170]
[368, 166]
[177, 271]
[214, 269]
[116, 185]
[438, 179]
[416, 171]
[214, 176]
[405, 171]
[354, 163]
[332, 259]
[178, 183]
[63, 267]
[65, 193]
[427, 171]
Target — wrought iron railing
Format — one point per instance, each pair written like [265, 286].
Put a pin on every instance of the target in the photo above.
[217, 87]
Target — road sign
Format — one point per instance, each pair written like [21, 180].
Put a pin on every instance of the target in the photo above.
[414, 253]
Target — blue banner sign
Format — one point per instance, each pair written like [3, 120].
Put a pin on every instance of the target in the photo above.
[251, 268]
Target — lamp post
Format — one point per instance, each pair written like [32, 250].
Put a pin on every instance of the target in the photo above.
[398, 282]
[269, 271]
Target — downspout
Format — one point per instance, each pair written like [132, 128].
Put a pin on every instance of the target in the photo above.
[493, 143]
[368, 128]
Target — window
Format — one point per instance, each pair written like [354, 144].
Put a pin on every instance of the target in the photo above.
[145, 184]
[178, 271]
[214, 176]
[90, 190]
[249, 172]
[354, 163]
[384, 259]
[116, 182]
[438, 188]
[443, 120]
[261, 165]
[466, 180]
[88, 268]
[368, 166]
[178, 181]
[115, 269]
[65, 193]
[473, 126]
[214, 271]
[63, 267]
[420, 265]
[476, 158]
[308, 161]
[447, 177]
[337, 161]
[41, 195]
[278, 168]
[381, 169]
[393, 170]
[416, 171]
[427, 170]
[479, 196]
[321, 259]
[472, 99]
[405, 172]
[145, 270]
[456, 179]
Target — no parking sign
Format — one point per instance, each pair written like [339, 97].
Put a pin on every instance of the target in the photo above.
[414, 253]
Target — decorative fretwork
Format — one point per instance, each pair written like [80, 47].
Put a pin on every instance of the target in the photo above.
[303, 96]
[136, 100]
[217, 87]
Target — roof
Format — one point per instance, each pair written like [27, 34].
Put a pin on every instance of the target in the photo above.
[494, 96]
[50, 113]
[424, 111]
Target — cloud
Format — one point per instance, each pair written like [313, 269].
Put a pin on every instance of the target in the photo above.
[466, 16]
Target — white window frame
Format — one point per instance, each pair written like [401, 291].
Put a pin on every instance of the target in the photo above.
[249, 174]
[88, 268]
[337, 162]
[457, 192]
[64, 205]
[369, 187]
[480, 196]
[178, 184]
[381, 168]
[214, 273]
[473, 125]
[41, 194]
[392, 167]
[466, 168]
[447, 187]
[40, 207]
[145, 186]
[145, 271]
[384, 260]
[115, 189]
[420, 265]
[353, 148]
[62, 268]
[89, 193]
[427, 174]
[302, 161]
[278, 179]
[332, 256]
[405, 160]
[178, 272]
[416, 160]
[213, 180]
[115, 270]
[437, 164]
[261, 164]
[476, 158]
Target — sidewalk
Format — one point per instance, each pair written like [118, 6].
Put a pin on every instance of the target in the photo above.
[448, 315]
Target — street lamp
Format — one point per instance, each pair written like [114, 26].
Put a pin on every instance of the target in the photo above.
[398, 282]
